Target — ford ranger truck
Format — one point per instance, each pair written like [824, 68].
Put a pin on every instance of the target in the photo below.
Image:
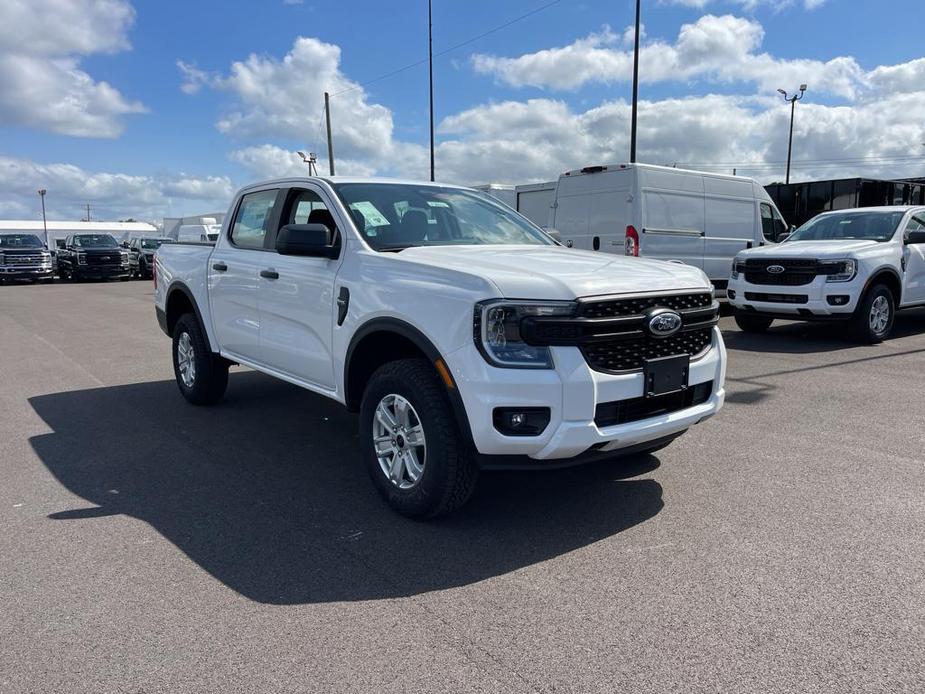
[856, 266]
[463, 335]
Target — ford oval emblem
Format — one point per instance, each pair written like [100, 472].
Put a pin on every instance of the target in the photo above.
[775, 269]
[664, 323]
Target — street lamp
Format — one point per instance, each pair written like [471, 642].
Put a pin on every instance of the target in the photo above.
[42, 192]
[793, 103]
[310, 159]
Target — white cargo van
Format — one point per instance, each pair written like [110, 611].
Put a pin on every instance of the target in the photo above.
[702, 219]
[535, 201]
[198, 233]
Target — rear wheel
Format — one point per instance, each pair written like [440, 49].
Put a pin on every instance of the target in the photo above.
[411, 443]
[202, 376]
[752, 324]
[873, 318]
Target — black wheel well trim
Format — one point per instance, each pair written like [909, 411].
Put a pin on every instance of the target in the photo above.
[881, 272]
[179, 286]
[423, 343]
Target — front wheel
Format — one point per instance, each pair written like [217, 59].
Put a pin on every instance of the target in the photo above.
[873, 318]
[411, 443]
[752, 324]
[201, 375]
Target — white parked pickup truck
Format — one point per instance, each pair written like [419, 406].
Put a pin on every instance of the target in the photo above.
[859, 265]
[464, 335]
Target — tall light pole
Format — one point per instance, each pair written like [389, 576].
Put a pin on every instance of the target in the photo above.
[430, 61]
[311, 160]
[635, 88]
[793, 104]
[42, 192]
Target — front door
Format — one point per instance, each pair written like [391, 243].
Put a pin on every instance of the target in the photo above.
[297, 302]
[914, 261]
[234, 276]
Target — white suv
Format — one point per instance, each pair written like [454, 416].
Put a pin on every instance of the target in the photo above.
[859, 265]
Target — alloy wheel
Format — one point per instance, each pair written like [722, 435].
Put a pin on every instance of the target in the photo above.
[399, 442]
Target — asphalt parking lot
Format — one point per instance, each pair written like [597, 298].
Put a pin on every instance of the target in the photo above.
[150, 546]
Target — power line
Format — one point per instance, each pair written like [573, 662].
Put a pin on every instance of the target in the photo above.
[828, 163]
[450, 49]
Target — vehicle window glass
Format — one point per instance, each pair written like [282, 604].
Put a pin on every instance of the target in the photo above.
[394, 216]
[20, 241]
[917, 223]
[305, 203]
[250, 224]
[872, 226]
[767, 222]
[95, 241]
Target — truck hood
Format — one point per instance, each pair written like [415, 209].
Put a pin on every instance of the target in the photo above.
[810, 249]
[554, 272]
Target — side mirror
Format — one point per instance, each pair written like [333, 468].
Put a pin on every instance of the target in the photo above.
[313, 240]
[555, 234]
[915, 237]
[59, 243]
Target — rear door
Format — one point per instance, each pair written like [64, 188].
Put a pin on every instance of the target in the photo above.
[297, 302]
[234, 274]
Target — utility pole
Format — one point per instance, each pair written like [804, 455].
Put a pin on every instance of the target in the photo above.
[327, 115]
[42, 192]
[88, 212]
[635, 87]
[793, 104]
[430, 62]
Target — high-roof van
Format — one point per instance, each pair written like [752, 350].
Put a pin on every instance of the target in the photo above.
[701, 219]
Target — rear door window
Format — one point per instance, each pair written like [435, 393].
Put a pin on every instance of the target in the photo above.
[252, 219]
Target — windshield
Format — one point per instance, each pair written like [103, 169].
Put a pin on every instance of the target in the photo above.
[394, 216]
[95, 241]
[151, 243]
[869, 226]
[20, 241]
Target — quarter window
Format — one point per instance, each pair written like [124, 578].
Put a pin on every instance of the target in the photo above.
[252, 220]
[772, 226]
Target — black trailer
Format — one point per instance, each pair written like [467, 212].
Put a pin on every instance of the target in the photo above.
[800, 202]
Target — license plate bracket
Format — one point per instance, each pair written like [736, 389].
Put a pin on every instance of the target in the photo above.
[666, 375]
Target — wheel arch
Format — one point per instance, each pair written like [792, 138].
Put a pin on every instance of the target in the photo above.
[180, 300]
[889, 277]
[382, 340]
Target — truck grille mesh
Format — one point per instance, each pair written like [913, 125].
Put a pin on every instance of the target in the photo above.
[629, 355]
[639, 305]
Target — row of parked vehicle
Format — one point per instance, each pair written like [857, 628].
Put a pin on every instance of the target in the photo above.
[24, 257]
[468, 338]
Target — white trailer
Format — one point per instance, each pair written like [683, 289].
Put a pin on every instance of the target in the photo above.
[535, 200]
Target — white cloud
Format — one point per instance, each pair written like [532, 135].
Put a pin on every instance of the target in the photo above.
[776, 5]
[41, 43]
[713, 49]
[113, 195]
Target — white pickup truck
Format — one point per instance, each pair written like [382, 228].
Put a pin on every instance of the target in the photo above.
[858, 266]
[464, 335]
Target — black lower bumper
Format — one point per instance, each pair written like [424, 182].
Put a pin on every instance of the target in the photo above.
[803, 314]
[100, 274]
[523, 462]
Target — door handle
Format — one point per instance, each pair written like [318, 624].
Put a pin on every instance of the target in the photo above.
[270, 274]
[219, 267]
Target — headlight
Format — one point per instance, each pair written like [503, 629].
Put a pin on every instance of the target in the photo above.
[2, 259]
[734, 272]
[81, 258]
[498, 337]
[839, 270]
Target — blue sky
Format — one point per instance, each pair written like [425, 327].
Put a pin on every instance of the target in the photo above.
[150, 108]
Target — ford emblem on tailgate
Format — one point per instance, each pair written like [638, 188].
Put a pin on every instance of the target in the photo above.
[663, 322]
[775, 269]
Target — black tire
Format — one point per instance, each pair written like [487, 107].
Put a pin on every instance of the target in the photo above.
[449, 472]
[752, 324]
[210, 376]
[141, 271]
[862, 326]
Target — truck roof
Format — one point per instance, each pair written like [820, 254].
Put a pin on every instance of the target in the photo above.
[652, 167]
[350, 179]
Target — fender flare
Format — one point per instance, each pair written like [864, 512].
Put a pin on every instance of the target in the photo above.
[879, 272]
[178, 286]
[422, 342]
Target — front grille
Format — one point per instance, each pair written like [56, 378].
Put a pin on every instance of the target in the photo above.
[639, 305]
[608, 414]
[25, 260]
[113, 259]
[629, 355]
[777, 298]
[797, 271]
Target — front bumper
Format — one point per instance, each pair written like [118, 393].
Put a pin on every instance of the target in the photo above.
[572, 391]
[37, 272]
[101, 273]
[788, 302]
